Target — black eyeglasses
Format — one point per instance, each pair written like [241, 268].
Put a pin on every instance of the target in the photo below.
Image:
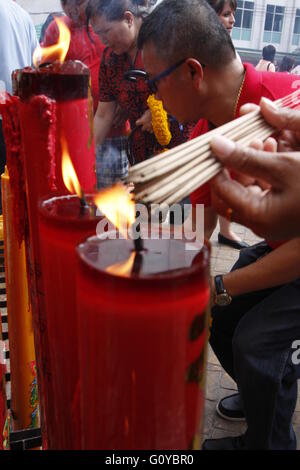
[152, 83]
[132, 75]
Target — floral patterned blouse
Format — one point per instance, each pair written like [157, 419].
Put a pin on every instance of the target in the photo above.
[132, 98]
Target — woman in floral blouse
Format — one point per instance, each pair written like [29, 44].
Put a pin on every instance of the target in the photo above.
[117, 23]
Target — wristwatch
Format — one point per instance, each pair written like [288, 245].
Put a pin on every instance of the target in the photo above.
[222, 297]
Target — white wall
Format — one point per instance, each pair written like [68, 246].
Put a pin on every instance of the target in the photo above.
[39, 9]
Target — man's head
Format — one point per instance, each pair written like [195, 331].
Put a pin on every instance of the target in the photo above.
[190, 30]
[269, 52]
[75, 9]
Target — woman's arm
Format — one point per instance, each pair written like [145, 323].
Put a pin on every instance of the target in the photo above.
[103, 120]
[278, 267]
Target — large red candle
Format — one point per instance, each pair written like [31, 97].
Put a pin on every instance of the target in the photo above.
[142, 345]
[52, 103]
[66, 112]
[62, 225]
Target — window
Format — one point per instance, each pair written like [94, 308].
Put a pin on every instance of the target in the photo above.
[296, 33]
[273, 24]
[243, 21]
[38, 29]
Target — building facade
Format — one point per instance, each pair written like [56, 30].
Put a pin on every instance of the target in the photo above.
[258, 23]
[263, 22]
[39, 10]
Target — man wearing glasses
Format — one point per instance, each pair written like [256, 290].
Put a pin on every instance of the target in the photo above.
[191, 62]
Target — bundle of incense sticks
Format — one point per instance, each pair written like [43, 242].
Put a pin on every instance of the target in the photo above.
[169, 177]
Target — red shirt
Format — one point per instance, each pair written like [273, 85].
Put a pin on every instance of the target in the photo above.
[256, 85]
[132, 98]
[89, 51]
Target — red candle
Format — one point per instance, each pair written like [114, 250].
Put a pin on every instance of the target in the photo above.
[53, 102]
[142, 344]
[65, 111]
[62, 225]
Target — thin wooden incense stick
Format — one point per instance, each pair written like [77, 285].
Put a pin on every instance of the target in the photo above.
[168, 178]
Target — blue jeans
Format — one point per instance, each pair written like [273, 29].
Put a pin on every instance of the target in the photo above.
[252, 338]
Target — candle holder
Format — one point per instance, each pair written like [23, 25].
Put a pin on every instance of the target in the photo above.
[62, 225]
[142, 344]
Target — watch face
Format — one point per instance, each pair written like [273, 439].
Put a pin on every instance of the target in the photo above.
[223, 299]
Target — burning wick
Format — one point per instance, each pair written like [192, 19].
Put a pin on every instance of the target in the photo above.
[138, 241]
[70, 177]
[83, 203]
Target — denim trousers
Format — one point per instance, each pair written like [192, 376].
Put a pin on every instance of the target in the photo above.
[253, 339]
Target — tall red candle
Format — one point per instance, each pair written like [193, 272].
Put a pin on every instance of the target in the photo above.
[53, 103]
[62, 225]
[142, 345]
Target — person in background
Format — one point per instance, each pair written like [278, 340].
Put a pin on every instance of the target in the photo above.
[287, 64]
[256, 306]
[274, 213]
[117, 23]
[48, 21]
[85, 45]
[225, 10]
[266, 64]
[18, 41]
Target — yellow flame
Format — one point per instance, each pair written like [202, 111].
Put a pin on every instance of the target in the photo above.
[57, 51]
[68, 171]
[124, 268]
[117, 204]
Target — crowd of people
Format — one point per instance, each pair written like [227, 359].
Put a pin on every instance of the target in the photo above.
[182, 52]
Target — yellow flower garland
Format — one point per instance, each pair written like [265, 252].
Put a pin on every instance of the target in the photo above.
[160, 121]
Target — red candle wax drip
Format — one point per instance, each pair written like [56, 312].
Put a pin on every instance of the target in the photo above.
[62, 225]
[142, 345]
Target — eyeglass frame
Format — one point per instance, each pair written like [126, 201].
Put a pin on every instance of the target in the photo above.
[152, 82]
[132, 75]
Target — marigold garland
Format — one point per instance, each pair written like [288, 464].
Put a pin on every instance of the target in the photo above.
[160, 121]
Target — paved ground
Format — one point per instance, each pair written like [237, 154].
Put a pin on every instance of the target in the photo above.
[219, 384]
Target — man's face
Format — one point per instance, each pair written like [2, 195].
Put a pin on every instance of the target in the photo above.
[174, 90]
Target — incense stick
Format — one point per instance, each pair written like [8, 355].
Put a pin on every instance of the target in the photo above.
[168, 178]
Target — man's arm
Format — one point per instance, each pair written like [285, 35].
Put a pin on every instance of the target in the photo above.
[281, 266]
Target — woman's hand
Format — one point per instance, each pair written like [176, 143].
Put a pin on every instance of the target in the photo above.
[146, 121]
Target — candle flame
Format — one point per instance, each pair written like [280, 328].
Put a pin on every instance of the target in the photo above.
[68, 171]
[117, 204]
[57, 51]
[124, 268]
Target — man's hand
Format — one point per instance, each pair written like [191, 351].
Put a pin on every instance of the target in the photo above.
[270, 205]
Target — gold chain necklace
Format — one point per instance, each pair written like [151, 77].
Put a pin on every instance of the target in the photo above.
[239, 95]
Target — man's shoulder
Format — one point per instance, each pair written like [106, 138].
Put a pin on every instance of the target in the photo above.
[279, 84]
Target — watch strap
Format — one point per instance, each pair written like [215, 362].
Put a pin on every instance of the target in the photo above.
[220, 289]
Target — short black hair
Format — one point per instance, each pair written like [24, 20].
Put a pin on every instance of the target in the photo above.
[114, 10]
[218, 5]
[180, 29]
[269, 52]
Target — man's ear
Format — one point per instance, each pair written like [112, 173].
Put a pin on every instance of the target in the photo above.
[195, 69]
[129, 18]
